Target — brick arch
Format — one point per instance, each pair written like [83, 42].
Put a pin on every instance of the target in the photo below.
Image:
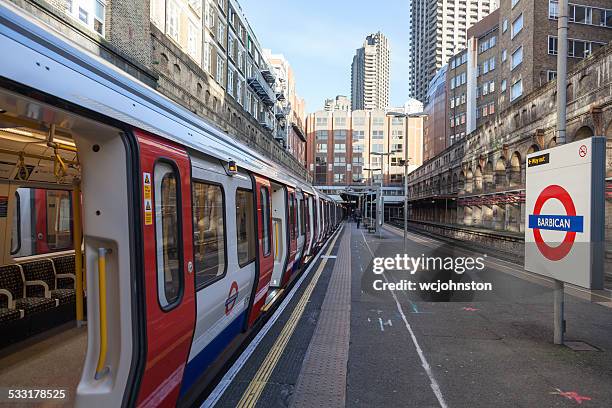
[500, 173]
[532, 149]
[469, 180]
[478, 179]
[514, 169]
[488, 177]
[583, 133]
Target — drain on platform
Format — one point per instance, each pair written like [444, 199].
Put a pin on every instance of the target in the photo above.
[580, 346]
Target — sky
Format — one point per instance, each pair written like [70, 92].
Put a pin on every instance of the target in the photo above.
[319, 39]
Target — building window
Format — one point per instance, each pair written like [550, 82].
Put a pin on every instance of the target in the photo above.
[357, 148]
[172, 20]
[196, 6]
[505, 25]
[359, 121]
[230, 46]
[239, 91]
[553, 10]
[210, 18]
[230, 81]
[168, 241]
[553, 45]
[580, 14]
[220, 70]
[339, 148]
[245, 227]
[514, 3]
[207, 56]
[192, 41]
[551, 75]
[83, 15]
[377, 148]
[99, 17]
[504, 55]
[358, 135]
[221, 33]
[321, 135]
[339, 177]
[517, 26]
[378, 121]
[321, 121]
[339, 160]
[322, 148]
[516, 90]
[378, 135]
[340, 121]
[517, 57]
[208, 233]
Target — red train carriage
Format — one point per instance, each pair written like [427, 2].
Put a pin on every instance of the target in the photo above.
[173, 238]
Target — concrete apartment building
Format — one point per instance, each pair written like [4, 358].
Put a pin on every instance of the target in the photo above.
[514, 51]
[343, 144]
[200, 53]
[370, 74]
[438, 30]
[435, 134]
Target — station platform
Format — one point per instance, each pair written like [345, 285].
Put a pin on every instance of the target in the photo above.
[338, 342]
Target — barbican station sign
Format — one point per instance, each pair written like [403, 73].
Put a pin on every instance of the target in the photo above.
[564, 207]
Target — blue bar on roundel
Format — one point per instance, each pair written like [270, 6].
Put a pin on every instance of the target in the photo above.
[557, 222]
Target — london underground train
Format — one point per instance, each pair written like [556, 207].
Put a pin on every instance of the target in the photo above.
[188, 236]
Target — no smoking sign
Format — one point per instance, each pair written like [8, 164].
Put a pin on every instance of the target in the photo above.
[564, 211]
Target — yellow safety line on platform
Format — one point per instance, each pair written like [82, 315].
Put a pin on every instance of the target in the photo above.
[253, 392]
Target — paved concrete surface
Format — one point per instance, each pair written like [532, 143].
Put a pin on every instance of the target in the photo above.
[462, 349]
[53, 360]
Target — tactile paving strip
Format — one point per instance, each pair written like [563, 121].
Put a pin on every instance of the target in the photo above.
[322, 380]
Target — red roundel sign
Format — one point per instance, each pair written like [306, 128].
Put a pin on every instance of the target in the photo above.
[232, 297]
[559, 252]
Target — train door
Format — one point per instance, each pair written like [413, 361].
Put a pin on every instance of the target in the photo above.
[265, 260]
[280, 234]
[168, 268]
[224, 264]
[308, 227]
[292, 227]
[301, 229]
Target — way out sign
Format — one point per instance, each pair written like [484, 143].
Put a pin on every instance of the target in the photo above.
[564, 234]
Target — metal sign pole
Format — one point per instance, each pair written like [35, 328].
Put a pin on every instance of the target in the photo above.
[559, 286]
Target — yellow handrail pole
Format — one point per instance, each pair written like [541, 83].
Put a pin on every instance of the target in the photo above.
[78, 253]
[100, 368]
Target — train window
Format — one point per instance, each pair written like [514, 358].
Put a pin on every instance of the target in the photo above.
[265, 211]
[16, 227]
[292, 223]
[208, 233]
[59, 220]
[167, 234]
[42, 222]
[245, 228]
[302, 217]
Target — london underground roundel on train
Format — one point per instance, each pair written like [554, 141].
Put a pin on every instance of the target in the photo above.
[564, 212]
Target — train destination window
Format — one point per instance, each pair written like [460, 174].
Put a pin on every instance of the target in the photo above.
[265, 211]
[42, 222]
[167, 234]
[208, 233]
[245, 228]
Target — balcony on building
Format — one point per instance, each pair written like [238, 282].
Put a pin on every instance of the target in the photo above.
[261, 87]
[282, 111]
[268, 75]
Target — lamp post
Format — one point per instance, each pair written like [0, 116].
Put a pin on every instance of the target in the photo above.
[562, 27]
[370, 170]
[406, 164]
